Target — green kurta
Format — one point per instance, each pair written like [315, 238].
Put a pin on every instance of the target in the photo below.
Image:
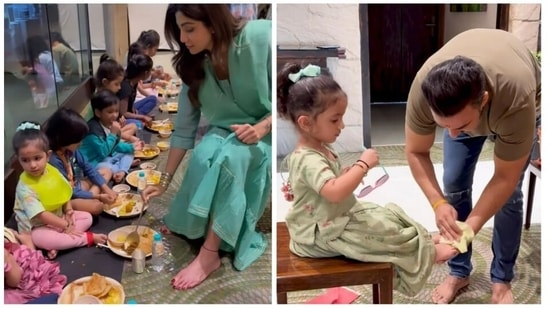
[228, 182]
[67, 63]
[356, 229]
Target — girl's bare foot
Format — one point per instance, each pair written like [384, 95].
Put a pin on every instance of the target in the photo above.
[200, 268]
[444, 252]
[99, 238]
[165, 230]
[52, 254]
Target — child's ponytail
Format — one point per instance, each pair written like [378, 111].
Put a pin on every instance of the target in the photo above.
[283, 88]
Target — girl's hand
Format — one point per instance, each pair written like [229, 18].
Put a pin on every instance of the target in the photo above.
[371, 157]
[71, 230]
[112, 195]
[115, 128]
[138, 145]
[247, 133]
[147, 120]
[106, 198]
[152, 191]
[122, 121]
[69, 215]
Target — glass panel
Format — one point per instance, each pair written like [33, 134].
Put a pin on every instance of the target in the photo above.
[42, 63]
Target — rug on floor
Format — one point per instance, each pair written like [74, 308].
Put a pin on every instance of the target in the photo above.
[225, 286]
[526, 285]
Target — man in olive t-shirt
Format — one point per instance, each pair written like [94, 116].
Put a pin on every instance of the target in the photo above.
[483, 82]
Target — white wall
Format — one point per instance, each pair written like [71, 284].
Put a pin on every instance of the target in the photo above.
[457, 22]
[141, 17]
[97, 26]
[145, 17]
[309, 25]
[524, 23]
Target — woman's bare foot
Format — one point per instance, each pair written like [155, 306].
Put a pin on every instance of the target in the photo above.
[501, 293]
[446, 292]
[444, 252]
[200, 268]
[165, 230]
[52, 254]
[99, 238]
[118, 177]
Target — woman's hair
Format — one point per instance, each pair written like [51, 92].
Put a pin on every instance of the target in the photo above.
[108, 69]
[137, 65]
[103, 99]
[65, 127]
[453, 84]
[190, 67]
[308, 96]
[28, 132]
[149, 39]
[56, 36]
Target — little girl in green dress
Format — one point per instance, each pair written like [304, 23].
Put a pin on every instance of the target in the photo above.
[326, 219]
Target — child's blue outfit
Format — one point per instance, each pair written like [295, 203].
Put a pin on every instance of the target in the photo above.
[80, 169]
[103, 149]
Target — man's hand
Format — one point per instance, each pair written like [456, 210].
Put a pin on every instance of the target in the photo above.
[446, 217]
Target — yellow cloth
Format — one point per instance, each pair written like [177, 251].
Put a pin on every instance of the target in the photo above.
[52, 188]
[467, 236]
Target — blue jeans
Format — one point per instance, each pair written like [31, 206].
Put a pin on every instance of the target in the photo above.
[460, 158]
[146, 105]
[117, 162]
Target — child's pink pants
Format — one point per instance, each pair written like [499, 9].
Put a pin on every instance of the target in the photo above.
[52, 238]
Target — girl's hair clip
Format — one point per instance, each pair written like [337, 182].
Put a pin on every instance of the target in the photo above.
[310, 70]
[27, 126]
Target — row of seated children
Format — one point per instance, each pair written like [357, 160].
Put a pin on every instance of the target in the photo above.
[69, 163]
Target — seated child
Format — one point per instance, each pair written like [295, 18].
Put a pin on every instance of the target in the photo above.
[28, 276]
[90, 191]
[326, 219]
[43, 206]
[138, 69]
[109, 76]
[102, 146]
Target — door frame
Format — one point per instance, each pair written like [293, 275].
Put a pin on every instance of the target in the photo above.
[502, 22]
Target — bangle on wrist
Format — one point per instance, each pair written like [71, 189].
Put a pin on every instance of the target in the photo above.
[361, 161]
[165, 179]
[438, 203]
[362, 167]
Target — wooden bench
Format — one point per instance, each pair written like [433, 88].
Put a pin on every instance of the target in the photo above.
[295, 273]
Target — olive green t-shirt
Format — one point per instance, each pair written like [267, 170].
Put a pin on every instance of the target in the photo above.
[513, 81]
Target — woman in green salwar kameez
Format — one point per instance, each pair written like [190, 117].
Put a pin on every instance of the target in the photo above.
[225, 66]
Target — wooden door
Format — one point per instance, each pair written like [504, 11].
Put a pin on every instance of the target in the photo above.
[400, 37]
